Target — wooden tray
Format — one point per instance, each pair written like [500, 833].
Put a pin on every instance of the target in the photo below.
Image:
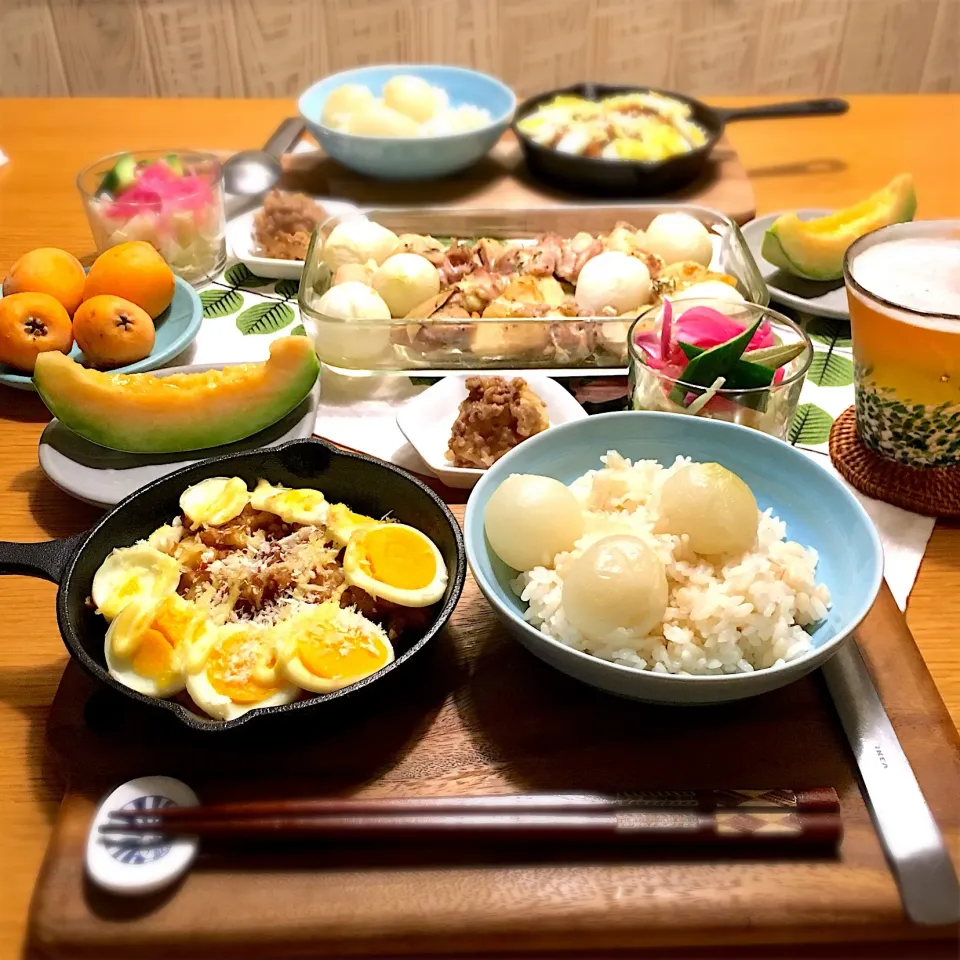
[478, 714]
[501, 180]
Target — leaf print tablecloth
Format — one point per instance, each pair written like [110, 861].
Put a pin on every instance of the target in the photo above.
[243, 313]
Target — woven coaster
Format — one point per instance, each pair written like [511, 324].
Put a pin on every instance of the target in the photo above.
[932, 491]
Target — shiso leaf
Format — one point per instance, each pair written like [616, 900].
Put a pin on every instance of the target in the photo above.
[704, 369]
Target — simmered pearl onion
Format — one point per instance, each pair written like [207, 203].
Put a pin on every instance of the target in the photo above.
[712, 506]
[617, 582]
[530, 519]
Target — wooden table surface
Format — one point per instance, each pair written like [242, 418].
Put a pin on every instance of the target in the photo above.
[822, 162]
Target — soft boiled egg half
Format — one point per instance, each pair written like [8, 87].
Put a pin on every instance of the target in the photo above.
[396, 563]
[146, 644]
[308, 507]
[343, 523]
[324, 648]
[214, 501]
[129, 573]
[233, 669]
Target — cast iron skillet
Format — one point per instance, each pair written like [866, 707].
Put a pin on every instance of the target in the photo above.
[636, 177]
[365, 485]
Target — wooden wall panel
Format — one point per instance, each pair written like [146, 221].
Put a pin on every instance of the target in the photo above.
[29, 54]
[633, 41]
[103, 47]
[885, 45]
[193, 47]
[799, 44]
[718, 45]
[268, 48]
[271, 66]
[942, 66]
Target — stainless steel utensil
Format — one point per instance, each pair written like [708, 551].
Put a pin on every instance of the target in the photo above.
[249, 174]
[910, 836]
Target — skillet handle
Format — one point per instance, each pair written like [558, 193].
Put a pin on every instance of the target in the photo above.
[798, 108]
[47, 559]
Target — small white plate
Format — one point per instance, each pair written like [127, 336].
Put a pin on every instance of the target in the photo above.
[427, 420]
[242, 247]
[103, 477]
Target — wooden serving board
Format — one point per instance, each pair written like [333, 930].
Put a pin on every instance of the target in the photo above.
[501, 180]
[475, 713]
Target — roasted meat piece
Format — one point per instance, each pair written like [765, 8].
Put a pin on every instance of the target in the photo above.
[495, 416]
[395, 619]
[283, 227]
[460, 260]
[541, 259]
[574, 253]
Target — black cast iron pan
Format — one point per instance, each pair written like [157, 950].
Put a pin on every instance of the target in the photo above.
[365, 485]
[638, 178]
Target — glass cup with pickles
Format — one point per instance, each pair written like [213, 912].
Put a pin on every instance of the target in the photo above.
[726, 360]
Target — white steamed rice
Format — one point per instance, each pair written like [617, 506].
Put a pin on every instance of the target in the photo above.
[734, 615]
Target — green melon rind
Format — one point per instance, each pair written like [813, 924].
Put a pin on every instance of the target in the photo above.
[799, 255]
[192, 429]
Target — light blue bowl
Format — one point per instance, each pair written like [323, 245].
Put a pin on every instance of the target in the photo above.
[818, 509]
[412, 158]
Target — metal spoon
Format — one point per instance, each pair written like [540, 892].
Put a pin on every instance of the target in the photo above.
[249, 174]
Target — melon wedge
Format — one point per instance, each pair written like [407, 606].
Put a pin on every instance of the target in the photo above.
[145, 413]
[814, 248]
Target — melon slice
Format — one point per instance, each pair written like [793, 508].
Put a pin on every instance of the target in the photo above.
[145, 413]
[814, 248]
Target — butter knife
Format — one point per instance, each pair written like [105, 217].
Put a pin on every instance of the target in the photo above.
[910, 836]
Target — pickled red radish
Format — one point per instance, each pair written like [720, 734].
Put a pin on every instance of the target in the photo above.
[178, 211]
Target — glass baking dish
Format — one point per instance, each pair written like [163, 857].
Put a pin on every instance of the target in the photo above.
[488, 343]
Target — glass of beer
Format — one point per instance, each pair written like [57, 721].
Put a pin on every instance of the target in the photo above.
[903, 288]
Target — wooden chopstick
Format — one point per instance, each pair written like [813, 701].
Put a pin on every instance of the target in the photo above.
[664, 826]
[811, 800]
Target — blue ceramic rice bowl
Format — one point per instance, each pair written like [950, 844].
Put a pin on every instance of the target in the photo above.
[818, 509]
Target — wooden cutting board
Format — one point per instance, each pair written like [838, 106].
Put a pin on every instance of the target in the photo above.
[475, 713]
[501, 180]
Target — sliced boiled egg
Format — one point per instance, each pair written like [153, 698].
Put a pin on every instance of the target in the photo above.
[308, 507]
[214, 501]
[128, 573]
[324, 648]
[166, 538]
[233, 669]
[343, 523]
[147, 641]
[396, 563]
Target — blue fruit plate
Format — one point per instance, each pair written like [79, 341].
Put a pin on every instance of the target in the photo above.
[177, 328]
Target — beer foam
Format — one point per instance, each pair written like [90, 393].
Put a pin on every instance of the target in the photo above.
[920, 273]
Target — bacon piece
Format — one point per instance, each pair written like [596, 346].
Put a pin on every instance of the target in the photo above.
[459, 261]
[574, 253]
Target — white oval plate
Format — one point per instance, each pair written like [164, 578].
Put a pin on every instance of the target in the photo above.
[103, 477]
[427, 420]
[242, 247]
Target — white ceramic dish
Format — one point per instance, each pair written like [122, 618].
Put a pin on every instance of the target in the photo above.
[815, 297]
[104, 477]
[241, 246]
[426, 421]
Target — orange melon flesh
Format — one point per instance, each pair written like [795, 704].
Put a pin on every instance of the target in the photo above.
[145, 413]
[815, 248]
